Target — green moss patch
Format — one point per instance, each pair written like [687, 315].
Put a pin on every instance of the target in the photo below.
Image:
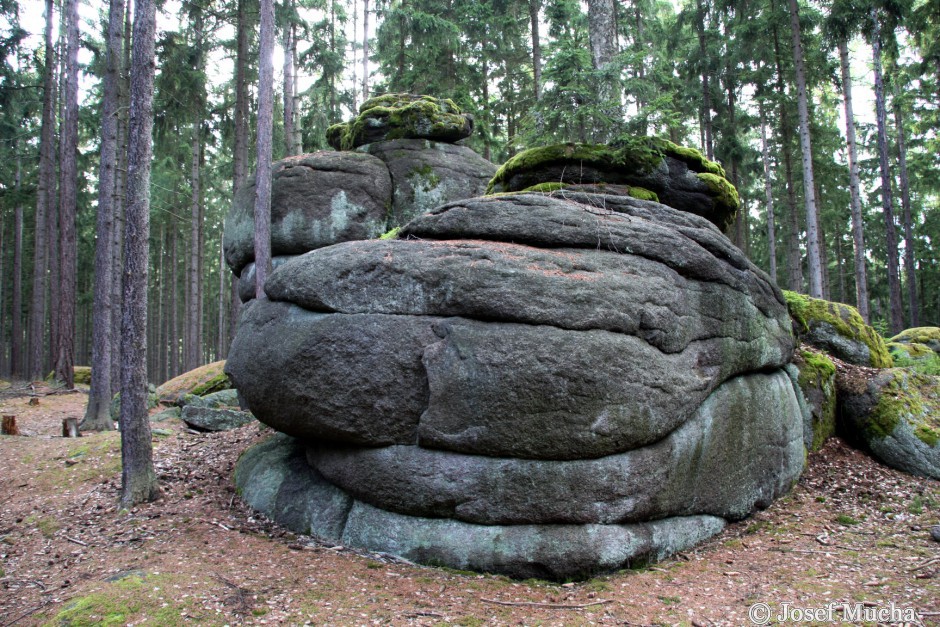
[724, 193]
[919, 335]
[911, 397]
[401, 116]
[199, 381]
[393, 234]
[845, 319]
[641, 193]
[546, 187]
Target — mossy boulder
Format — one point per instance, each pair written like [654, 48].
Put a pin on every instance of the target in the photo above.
[199, 382]
[837, 329]
[81, 374]
[925, 336]
[817, 381]
[905, 353]
[402, 116]
[657, 169]
[894, 415]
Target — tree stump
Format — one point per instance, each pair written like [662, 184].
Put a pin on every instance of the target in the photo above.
[9, 426]
[34, 400]
[70, 428]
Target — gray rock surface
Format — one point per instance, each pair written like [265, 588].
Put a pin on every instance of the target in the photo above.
[426, 174]
[246, 280]
[273, 478]
[721, 462]
[208, 419]
[896, 417]
[317, 199]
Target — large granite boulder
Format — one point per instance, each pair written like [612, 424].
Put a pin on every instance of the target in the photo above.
[427, 174]
[644, 168]
[317, 199]
[894, 415]
[523, 384]
[402, 116]
[837, 329]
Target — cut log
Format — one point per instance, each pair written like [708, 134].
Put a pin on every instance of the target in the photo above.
[9, 426]
[70, 428]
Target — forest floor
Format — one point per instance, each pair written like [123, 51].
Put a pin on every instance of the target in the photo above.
[851, 535]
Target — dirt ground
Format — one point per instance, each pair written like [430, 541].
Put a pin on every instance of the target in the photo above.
[852, 536]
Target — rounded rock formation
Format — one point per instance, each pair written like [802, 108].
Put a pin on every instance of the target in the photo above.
[535, 385]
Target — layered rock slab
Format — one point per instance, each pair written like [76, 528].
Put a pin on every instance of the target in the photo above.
[274, 478]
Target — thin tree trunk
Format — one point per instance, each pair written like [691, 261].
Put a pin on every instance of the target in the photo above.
[289, 87]
[191, 349]
[68, 242]
[602, 28]
[220, 323]
[536, 48]
[297, 137]
[794, 262]
[16, 313]
[138, 479]
[365, 50]
[98, 412]
[906, 218]
[262, 211]
[814, 264]
[891, 236]
[37, 312]
[858, 231]
[768, 192]
[240, 158]
[174, 303]
[706, 89]
[120, 197]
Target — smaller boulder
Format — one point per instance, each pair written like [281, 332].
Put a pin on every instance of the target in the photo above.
[928, 337]
[910, 353]
[401, 116]
[837, 329]
[817, 381]
[208, 419]
[152, 401]
[896, 416]
[199, 382]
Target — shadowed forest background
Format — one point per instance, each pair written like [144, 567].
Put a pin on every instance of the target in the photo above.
[724, 77]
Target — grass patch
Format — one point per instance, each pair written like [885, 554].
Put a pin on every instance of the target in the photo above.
[845, 519]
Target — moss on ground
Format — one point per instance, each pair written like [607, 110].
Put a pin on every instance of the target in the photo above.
[845, 319]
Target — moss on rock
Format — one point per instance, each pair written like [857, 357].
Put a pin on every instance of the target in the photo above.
[926, 336]
[546, 187]
[401, 116]
[199, 381]
[641, 193]
[722, 190]
[818, 384]
[814, 317]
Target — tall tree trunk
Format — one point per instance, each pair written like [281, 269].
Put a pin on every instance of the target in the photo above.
[768, 192]
[706, 88]
[220, 323]
[536, 48]
[891, 236]
[602, 28]
[37, 312]
[814, 264]
[138, 479]
[906, 219]
[68, 243]
[297, 137]
[174, 362]
[262, 237]
[16, 331]
[120, 197]
[240, 158]
[191, 349]
[858, 230]
[365, 50]
[98, 412]
[289, 85]
[794, 262]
